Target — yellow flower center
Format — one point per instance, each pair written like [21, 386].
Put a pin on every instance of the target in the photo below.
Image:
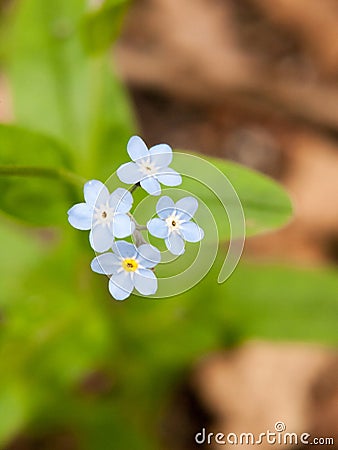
[129, 264]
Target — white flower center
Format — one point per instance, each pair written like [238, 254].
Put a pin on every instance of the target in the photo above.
[173, 222]
[147, 167]
[103, 214]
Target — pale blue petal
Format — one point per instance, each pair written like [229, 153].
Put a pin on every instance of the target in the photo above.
[136, 148]
[80, 216]
[121, 285]
[145, 282]
[158, 228]
[168, 177]
[175, 243]
[161, 155]
[95, 192]
[191, 232]
[106, 264]
[148, 255]
[100, 238]
[151, 185]
[165, 207]
[186, 207]
[125, 249]
[121, 200]
[129, 173]
[122, 226]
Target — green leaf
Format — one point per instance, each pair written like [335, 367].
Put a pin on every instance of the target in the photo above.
[233, 200]
[266, 205]
[102, 26]
[34, 177]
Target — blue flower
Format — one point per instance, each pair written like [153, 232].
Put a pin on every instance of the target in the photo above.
[129, 267]
[104, 214]
[174, 224]
[149, 167]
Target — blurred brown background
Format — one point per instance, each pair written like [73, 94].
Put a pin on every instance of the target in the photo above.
[254, 81]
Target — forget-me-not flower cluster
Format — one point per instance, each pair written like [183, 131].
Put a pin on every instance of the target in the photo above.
[107, 217]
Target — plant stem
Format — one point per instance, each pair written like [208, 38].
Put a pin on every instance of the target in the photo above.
[139, 239]
[134, 187]
[42, 172]
[141, 227]
[137, 235]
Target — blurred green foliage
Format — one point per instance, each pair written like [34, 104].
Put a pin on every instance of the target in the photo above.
[58, 89]
[59, 326]
[102, 26]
